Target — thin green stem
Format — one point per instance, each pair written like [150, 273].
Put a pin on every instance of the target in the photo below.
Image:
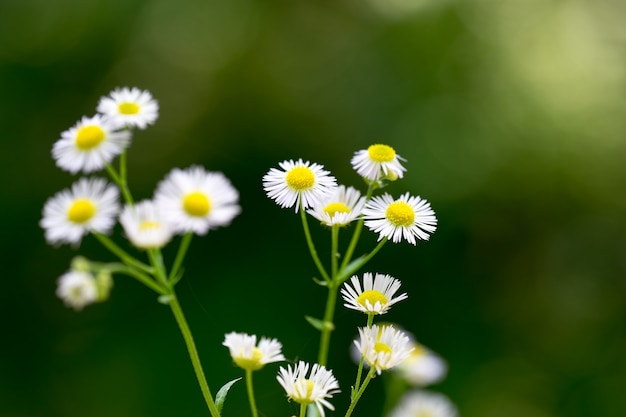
[138, 275]
[360, 392]
[180, 255]
[121, 182]
[193, 353]
[334, 252]
[303, 408]
[250, 389]
[309, 241]
[357, 231]
[322, 357]
[156, 258]
[125, 257]
[357, 383]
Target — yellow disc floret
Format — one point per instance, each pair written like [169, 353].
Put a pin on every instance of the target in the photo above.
[304, 391]
[147, 224]
[300, 178]
[254, 363]
[88, 137]
[381, 153]
[336, 207]
[373, 296]
[128, 108]
[399, 213]
[381, 347]
[81, 210]
[196, 204]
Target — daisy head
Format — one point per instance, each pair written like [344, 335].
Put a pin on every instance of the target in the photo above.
[339, 207]
[422, 367]
[378, 162]
[130, 107]
[314, 388]
[407, 217]
[250, 356]
[375, 297]
[424, 403]
[144, 225]
[298, 183]
[77, 289]
[89, 145]
[383, 347]
[89, 206]
[195, 200]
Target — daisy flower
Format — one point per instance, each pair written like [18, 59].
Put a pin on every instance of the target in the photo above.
[383, 347]
[90, 206]
[130, 107]
[340, 207]
[378, 162]
[319, 385]
[144, 225]
[77, 289]
[424, 403]
[299, 183]
[422, 367]
[250, 356]
[195, 200]
[377, 295]
[407, 217]
[89, 145]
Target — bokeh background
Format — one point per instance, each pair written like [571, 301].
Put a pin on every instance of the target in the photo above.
[510, 115]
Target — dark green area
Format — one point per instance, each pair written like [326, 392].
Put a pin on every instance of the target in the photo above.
[511, 117]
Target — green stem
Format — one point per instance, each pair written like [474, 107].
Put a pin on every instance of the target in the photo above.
[309, 241]
[193, 353]
[357, 231]
[360, 391]
[250, 389]
[125, 257]
[120, 181]
[334, 254]
[357, 383]
[156, 258]
[329, 313]
[303, 408]
[138, 275]
[180, 255]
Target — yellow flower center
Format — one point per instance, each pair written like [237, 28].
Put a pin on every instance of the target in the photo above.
[128, 108]
[373, 297]
[147, 224]
[336, 207]
[254, 363]
[304, 391]
[400, 213]
[381, 153]
[381, 347]
[300, 178]
[88, 137]
[196, 204]
[81, 210]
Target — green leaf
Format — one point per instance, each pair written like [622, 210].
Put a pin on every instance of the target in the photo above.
[221, 394]
[351, 268]
[319, 324]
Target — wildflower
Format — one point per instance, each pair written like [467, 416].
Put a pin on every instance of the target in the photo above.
[378, 162]
[247, 355]
[90, 206]
[377, 295]
[340, 207]
[89, 145]
[319, 385]
[130, 107]
[77, 289]
[144, 225]
[424, 403]
[408, 217]
[195, 200]
[422, 367]
[299, 183]
[383, 347]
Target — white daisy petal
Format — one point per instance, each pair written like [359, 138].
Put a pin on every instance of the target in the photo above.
[340, 207]
[89, 145]
[248, 355]
[378, 162]
[383, 347]
[424, 403]
[77, 289]
[319, 385]
[408, 217]
[144, 225]
[90, 206]
[130, 107]
[195, 200]
[377, 295]
[299, 183]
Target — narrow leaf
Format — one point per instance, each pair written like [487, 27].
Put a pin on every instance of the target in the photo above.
[221, 394]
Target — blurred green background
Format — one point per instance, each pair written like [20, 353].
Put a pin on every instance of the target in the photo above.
[510, 114]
